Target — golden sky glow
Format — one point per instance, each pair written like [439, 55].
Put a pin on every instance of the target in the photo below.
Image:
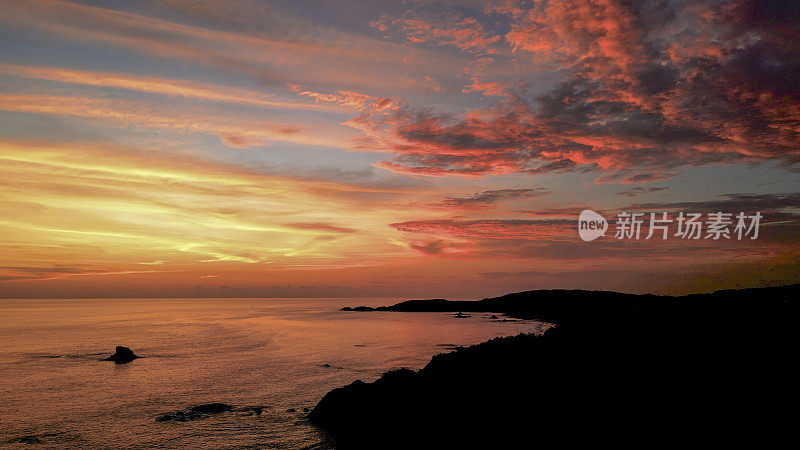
[249, 148]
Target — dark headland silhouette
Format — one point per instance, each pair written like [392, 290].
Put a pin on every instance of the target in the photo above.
[617, 370]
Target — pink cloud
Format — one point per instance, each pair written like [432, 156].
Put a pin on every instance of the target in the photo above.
[466, 33]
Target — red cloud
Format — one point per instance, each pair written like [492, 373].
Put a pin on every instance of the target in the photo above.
[646, 90]
[486, 88]
[465, 33]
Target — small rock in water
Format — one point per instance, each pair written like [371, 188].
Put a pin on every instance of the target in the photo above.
[194, 412]
[122, 355]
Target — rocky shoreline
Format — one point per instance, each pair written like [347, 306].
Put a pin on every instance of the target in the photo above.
[621, 369]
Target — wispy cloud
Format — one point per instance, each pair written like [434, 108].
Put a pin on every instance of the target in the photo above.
[639, 190]
[70, 200]
[233, 131]
[155, 85]
[491, 197]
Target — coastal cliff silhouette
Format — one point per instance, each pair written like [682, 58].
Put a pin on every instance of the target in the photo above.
[617, 369]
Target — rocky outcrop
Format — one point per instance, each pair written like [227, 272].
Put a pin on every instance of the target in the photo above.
[122, 355]
[701, 368]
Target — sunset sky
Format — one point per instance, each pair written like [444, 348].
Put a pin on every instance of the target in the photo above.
[245, 148]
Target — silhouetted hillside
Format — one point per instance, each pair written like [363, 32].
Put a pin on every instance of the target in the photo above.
[558, 305]
[618, 369]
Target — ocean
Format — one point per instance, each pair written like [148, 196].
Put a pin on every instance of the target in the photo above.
[279, 354]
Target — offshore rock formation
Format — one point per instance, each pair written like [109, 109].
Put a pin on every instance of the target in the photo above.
[122, 355]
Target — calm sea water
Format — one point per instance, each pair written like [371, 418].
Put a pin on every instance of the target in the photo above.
[55, 390]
